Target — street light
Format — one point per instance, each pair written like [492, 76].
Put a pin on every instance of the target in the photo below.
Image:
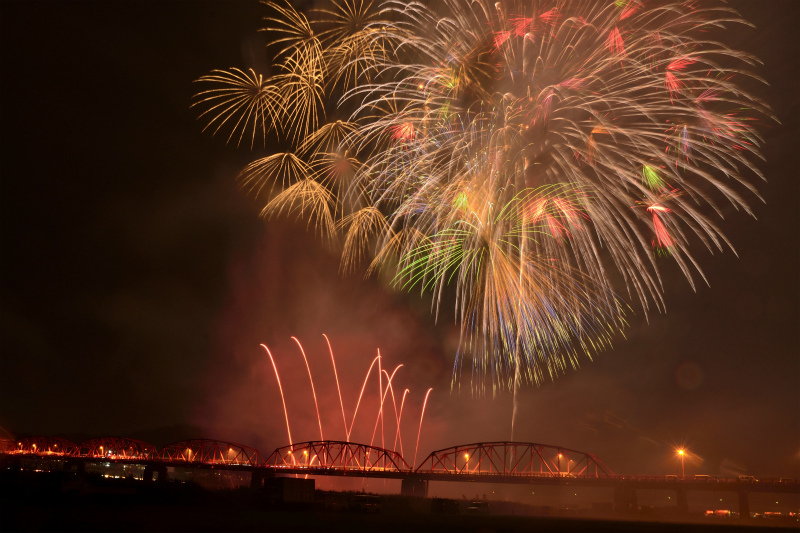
[682, 454]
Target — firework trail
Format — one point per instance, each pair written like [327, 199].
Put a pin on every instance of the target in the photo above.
[421, 416]
[313, 390]
[384, 392]
[385, 396]
[361, 395]
[280, 388]
[500, 153]
[338, 387]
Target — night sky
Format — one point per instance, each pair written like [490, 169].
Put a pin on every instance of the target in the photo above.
[138, 281]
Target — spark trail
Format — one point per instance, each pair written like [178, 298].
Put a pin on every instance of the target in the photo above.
[338, 387]
[313, 391]
[280, 388]
[385, 393]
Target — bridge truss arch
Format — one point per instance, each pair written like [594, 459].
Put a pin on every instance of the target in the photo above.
[208, 451]
[119, 448]
[338, 456]
[514, 459]
[45, 446]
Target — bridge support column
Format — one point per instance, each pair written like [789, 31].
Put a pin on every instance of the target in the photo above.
[625, 499]
[414, 486]
[744, 504]
[258, 476]
[160, 472]
[74, 465]
[682, 502]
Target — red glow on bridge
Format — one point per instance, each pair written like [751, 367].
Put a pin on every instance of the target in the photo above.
[42, 446]
[336, 455]
[116, 448]
[208, 451]
[514, 459]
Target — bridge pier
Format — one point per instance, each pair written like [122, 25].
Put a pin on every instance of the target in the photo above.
[744, 504]
[160, 472]
[258, 476]
[414, 486]
[681, 501]
[625, 499]
[73, 465]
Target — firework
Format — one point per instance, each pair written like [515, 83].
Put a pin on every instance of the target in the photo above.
[501, 151]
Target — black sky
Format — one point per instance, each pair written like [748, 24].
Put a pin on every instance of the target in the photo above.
[137, 281]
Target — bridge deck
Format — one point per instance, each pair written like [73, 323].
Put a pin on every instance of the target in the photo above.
[636, 482]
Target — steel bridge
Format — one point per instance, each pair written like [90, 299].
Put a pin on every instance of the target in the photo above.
[338, 456]
[117, 448]
[43, 446]
[209, 452]
[514, 459]
[492, 460]
[486, 462]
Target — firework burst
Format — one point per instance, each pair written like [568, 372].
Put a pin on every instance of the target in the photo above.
[518, 154]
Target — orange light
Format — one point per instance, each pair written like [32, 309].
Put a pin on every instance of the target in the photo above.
[681, 452]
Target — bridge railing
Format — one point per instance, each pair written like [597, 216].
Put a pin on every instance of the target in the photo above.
[704, 478]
